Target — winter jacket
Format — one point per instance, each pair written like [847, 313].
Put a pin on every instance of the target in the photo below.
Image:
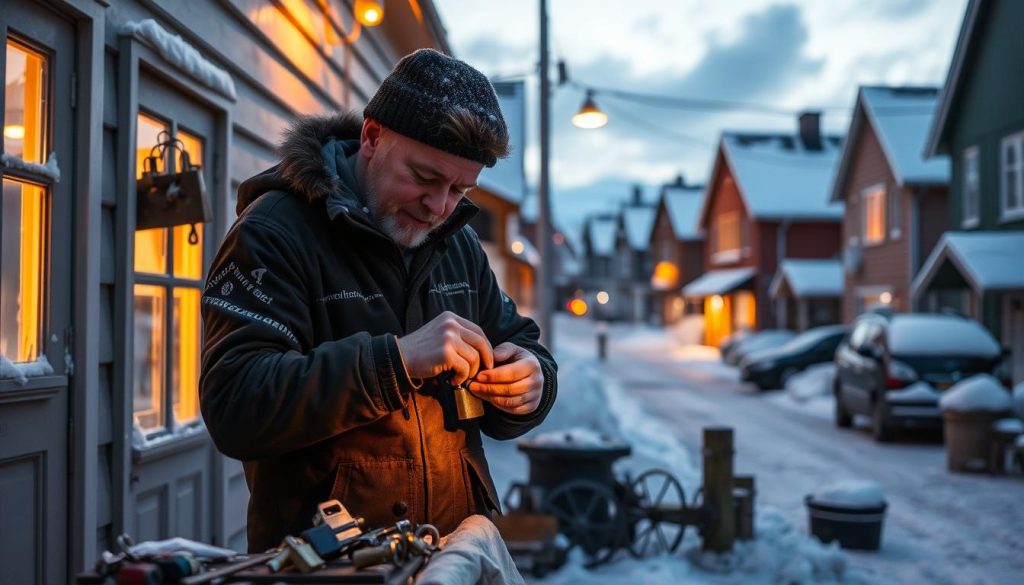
[301, 374]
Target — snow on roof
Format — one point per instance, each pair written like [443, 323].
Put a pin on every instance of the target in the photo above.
[683, 205]
[718, 282]
[810, 278]
[779, 178]
[638, 223]
[602, 235]
[507, 178]
[920, 334]
[901, 117]
[989, 261]
[182, 55]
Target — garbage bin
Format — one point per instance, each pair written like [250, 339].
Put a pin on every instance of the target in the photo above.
[969, 410]
[850, 512]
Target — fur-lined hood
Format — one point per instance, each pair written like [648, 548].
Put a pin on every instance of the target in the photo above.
[306, 168]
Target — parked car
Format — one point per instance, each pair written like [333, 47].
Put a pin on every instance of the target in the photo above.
[770, 368]
[729, 343]
[756, 341]
[879, 365]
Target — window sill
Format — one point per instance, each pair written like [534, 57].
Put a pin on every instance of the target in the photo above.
[968, 224]
[725, 256]
[37, 388]
[191, 437]
[1006, 216]
[873, 243]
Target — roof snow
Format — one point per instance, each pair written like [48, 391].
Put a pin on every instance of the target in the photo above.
[507, 178]
[811, 278]
[718, 282]
[901, 118]
[602, 235]
[988, 261]
[638, 222]
[683, 206]
[778, 178]
[182, 55]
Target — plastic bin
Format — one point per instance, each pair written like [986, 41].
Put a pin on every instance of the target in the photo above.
[968, 438]
[854, 527]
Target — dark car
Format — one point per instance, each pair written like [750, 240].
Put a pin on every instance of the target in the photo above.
[756, 341]
[729, 343]
[880, 367]
[770, 368]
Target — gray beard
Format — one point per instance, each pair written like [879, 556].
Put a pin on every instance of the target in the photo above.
[405, 237]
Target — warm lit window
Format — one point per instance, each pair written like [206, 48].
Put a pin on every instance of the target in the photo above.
[1012, 199]
[874, 214]
[972, 187]
[168, 276]
[24, 206]
[727, 237]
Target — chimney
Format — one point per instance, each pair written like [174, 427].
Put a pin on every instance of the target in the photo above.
[810, 130]
[680, 180]
[638, 195]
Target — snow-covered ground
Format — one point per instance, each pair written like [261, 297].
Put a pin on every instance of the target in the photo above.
[941, 527]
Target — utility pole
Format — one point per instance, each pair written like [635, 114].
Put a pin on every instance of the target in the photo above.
[544, 293]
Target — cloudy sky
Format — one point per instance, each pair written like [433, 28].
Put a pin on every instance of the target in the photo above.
[788, 55]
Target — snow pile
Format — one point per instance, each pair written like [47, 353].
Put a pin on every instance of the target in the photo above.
[689, 331]
[51, 169]
[851, 493]
[575, 438]
[981, 392]
[23, 371]
[814, 382]
[1018, 400]
[1010, 425]
[939, 335]
[916, 393]
[142, 442]
[182, 55]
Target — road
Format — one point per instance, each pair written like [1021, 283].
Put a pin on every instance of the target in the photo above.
[941, 527]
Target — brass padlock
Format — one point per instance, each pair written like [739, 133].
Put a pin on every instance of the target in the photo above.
[467, 404]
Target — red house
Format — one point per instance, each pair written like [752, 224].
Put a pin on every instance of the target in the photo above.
[767, 200]
[677, 248]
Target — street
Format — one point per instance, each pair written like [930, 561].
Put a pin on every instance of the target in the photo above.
[941, 527]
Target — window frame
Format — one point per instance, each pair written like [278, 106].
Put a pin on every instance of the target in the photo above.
[721, 255]
[876, 191]
[970, 204]
[1007, 213]
[894, 211]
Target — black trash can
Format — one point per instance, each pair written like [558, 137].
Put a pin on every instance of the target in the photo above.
[854, 527]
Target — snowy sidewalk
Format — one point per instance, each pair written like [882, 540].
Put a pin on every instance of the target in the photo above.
[593, 398]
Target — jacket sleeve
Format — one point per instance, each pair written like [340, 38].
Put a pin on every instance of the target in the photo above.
[501, 321]
[265, 389]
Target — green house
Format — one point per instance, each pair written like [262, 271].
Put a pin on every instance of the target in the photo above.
[979, 123]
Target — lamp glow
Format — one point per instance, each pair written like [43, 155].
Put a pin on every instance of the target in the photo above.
[14, 132]
[717, 303]
[518, 247]
[602, 297]
[885, 298]
[369, 12]
[578, 307]
[589, 116]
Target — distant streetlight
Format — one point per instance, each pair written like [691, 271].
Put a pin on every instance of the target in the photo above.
[518, 247]
[589, 116]
[603, 298]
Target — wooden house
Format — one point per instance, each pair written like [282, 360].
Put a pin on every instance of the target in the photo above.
[677, 249]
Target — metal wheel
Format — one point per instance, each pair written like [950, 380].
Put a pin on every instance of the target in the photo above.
[590, 516]
[655, 492]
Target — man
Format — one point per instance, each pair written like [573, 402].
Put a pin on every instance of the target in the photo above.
[350, 297]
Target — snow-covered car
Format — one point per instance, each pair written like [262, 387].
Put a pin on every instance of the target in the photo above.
[756, 341]
[895, 368]
[770, 368]
[729, 343]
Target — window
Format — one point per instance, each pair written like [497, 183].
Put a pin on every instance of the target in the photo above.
[1012, 177]
[168, 278]
[24, 208]
[726, 237]
[972, 186]
[874, 215]
[895, 196]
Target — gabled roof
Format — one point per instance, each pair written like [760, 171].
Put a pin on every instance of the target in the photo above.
[935, 143]
[637, 224]
[601, 234]
[809, 278]
[900, 118]
[986, 261]
[683, 207]
[719, 282]
[777, 177]
[507, 178]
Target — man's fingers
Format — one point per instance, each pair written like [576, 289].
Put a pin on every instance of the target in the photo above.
[501, 390]
[481, 345]
[505, 351]
[506, 373]
[463, 361]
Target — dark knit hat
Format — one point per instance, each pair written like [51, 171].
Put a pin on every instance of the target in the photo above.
[426, 85]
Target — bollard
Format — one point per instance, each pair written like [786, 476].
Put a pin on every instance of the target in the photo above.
[602, 340]
[718, 489]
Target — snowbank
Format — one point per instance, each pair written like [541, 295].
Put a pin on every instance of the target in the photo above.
[851, 493]
[23, 371]
[813, 382]
[575, 438]
[981, 392]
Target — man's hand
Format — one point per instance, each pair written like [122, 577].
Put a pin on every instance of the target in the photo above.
[448, 343]
[516, 386]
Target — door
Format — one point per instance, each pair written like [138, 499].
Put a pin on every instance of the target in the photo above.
[38, 55]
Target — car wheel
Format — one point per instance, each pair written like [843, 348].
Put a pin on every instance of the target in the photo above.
[787, 373]
[843, 418]
[881, 428]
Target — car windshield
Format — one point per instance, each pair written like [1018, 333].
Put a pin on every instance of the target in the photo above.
[940, 335]
[811, 337]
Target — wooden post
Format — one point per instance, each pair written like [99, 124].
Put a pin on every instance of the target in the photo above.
[744, 491]
[718, 484]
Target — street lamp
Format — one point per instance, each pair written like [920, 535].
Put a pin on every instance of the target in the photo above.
[589, 116]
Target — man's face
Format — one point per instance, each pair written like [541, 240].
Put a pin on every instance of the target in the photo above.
[411, 188]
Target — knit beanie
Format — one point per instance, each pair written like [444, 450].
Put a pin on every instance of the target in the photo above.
[426, 85]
